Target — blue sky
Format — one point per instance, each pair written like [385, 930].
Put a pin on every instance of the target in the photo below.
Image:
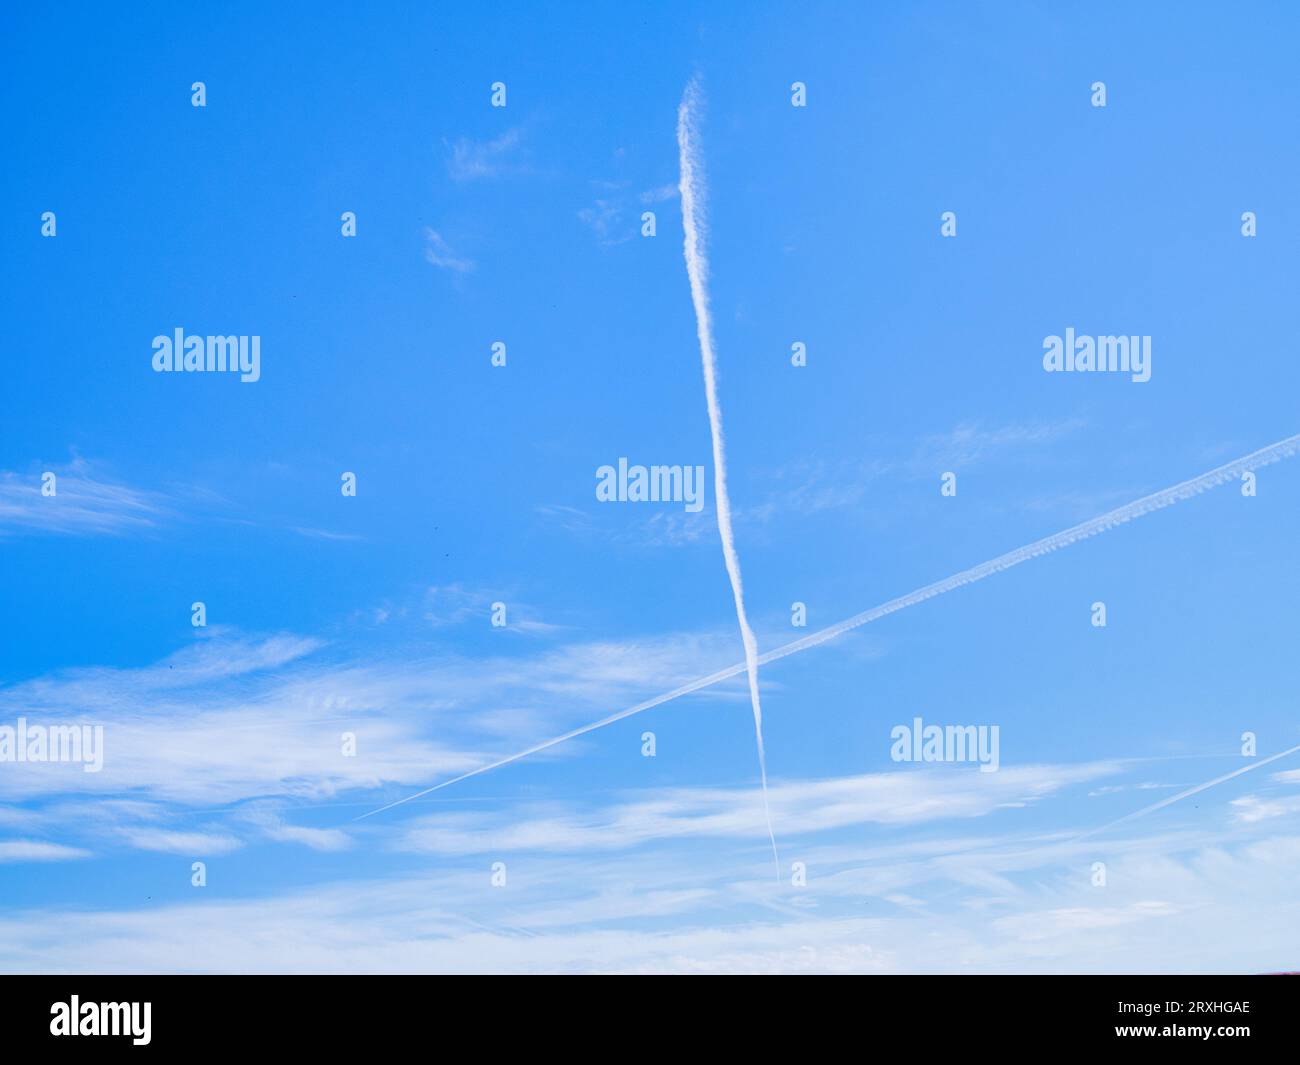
[328, 614]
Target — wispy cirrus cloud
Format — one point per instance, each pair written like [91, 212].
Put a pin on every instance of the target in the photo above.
[318, 839]
[326, 534]
[972, 442]
[816, 485]
[29, 850]
[472, 160]
[272, 826]
[454, 604]
[660, 194]
[183, 843]
[813, 485]
[988, 904]
[439, 253]
[235, 720]
[614, 216]
[84, 502]
[196, 741]
[604, 217]
[1250, 808]
[799, 807]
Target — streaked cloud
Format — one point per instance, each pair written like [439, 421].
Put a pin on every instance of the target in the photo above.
[798, 808]
[1172, 905]
[86, 502]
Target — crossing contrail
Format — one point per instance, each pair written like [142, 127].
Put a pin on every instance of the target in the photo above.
[1231, 471]
[1138, 508]
[691, 188]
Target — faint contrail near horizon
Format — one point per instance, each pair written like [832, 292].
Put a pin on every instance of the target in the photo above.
[1147, 504]
[691, 188]
[1186, 794]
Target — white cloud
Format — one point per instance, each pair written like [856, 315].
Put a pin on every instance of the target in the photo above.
[660, 194]
[276, 829]
[1251, 808]
[197, 844]
[469, 160]
[604, 218]
[318, 839]
[27, 850]
[441, 254]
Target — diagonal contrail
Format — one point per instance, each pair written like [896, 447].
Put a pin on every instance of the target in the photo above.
[1147, 504]
[691, 188]
[1187, 794]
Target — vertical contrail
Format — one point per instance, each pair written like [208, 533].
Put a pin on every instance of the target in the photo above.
[691, 188]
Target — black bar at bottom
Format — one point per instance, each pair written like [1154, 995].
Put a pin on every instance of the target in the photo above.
[448, 1015]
